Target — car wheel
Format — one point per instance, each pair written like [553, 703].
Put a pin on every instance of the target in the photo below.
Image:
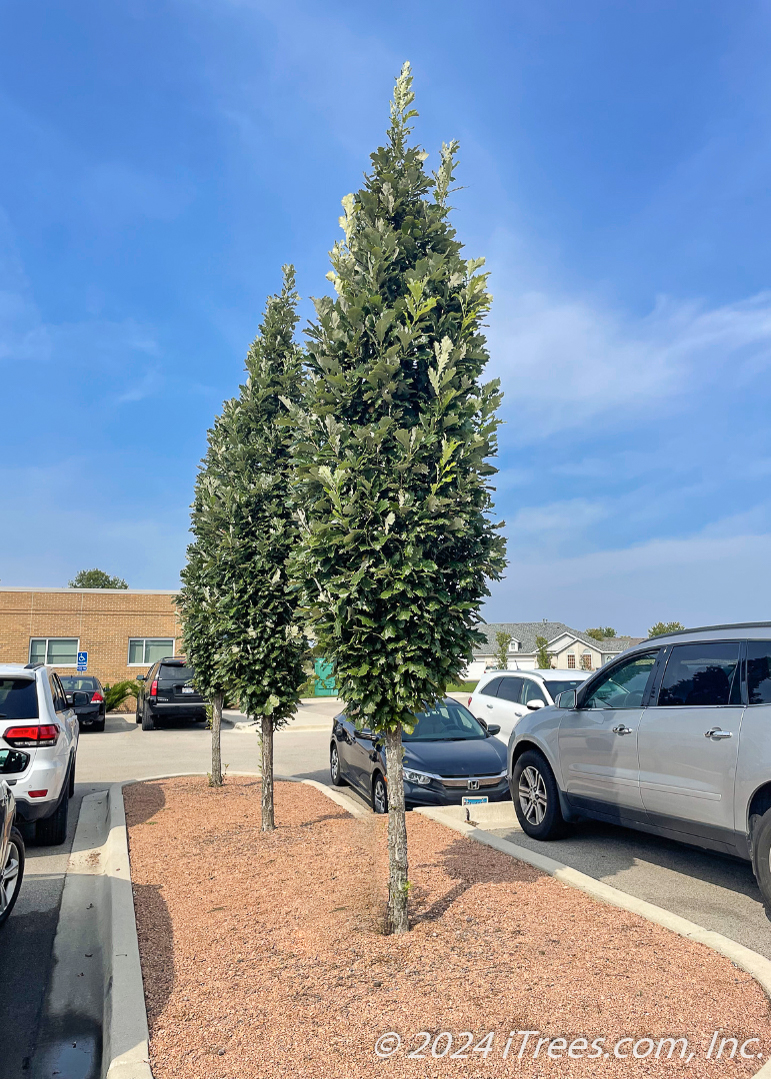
[99, 725]
[334, 767]
[11, 875]
[536, 798]
[761, 860]
[52, 831]
[379, 794]
[138, 715]
[147, 720]
[71, 781]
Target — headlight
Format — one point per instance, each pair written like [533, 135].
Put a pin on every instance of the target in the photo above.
[417, 777]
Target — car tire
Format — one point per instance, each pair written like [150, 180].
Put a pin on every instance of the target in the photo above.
[335, 770]
[536, 797]
[138, 715]
[11, 875]
[147, 720]
[71, 780]
[52, 831]
[379, 794]
[761, 856]
[99, 725]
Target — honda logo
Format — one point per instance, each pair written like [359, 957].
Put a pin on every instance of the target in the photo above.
[473, 784]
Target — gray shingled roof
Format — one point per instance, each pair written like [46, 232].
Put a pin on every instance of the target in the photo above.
[526, 633]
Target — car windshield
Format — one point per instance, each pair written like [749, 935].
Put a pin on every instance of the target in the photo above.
[176, 672]
[447, 721]
[73, 684]
[18, 698]
[555, 687]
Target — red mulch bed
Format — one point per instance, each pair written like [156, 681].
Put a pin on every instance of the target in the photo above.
[263, 954]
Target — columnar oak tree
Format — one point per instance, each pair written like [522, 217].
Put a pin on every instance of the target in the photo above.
[265, 643]
[204, 579]
[393, 453]
[238, 605]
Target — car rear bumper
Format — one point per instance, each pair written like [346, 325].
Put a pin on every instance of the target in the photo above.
[47, 775]
[183, 710]
[415, 795]
[89, 715]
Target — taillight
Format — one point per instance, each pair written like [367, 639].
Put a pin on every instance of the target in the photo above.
[154, 688]
[470, 700]
[97, 698]
[32, 737]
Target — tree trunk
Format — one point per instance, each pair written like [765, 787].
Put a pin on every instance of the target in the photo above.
[397, 834]
[268, 819]
[216, 725]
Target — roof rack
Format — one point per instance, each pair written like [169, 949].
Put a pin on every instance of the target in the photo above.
[33, 666]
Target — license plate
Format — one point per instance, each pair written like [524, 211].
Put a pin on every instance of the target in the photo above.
[474, 800]
[188, 689]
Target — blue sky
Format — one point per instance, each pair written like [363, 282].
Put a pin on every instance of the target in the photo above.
[161, 159]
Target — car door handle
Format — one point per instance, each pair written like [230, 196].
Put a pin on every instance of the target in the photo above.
[489, 706]
[716, 734]
[621, 729]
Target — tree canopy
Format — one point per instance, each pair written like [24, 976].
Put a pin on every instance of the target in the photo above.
[96, 578]
[658, 629]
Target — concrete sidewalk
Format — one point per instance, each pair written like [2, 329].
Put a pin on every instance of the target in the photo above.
[313, 714]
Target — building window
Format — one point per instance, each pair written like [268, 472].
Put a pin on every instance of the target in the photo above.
[571, 662]
[55, 651]
[144, 651]
[586, 661]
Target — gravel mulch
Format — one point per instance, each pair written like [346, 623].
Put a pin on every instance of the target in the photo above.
[263, 955]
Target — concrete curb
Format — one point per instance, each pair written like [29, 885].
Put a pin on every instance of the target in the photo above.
[126, 1036]
[752, 962]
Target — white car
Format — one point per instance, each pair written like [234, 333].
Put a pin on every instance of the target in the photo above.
[503, 697]
[38, 748]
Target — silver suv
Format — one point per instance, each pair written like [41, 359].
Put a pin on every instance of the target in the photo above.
[673, 737]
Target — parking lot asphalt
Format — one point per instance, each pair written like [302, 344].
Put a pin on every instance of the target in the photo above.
[713, 890]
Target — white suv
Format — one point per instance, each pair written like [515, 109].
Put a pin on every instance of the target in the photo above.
[503, 697]
[38, 747]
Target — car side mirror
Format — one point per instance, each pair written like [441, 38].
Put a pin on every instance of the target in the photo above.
[79, 697]
[494, 728]
[140, 678]
[567, 699]
[534, 705]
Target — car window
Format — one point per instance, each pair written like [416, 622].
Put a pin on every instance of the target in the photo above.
[557, 687]
[759, 672]
[445, 722]
[510, 689]
[58, 694]
[533, 692]
[491, 689]
[18, 698]
[72, 683]
[175, 672]
[700, 674]
[623, 686]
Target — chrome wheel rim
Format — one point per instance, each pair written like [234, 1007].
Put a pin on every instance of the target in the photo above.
[532, 795]
[9, 877]
[380, 796]
[334, 762]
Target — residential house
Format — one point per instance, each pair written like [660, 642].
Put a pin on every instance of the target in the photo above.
[569, 649]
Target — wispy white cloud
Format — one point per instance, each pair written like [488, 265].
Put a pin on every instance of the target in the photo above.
[569, 361]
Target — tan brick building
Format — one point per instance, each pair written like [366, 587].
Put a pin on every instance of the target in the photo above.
[123, 631]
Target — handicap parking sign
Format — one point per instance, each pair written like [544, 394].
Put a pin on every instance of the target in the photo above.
[82, 661]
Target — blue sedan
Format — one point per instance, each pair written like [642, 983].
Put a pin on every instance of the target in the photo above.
[449, 755]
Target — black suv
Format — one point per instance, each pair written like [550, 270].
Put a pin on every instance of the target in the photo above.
[167, 692]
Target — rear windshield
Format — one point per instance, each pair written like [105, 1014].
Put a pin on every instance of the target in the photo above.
[18, 698]
[73, 684]
[171, 672]
[555, 688]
